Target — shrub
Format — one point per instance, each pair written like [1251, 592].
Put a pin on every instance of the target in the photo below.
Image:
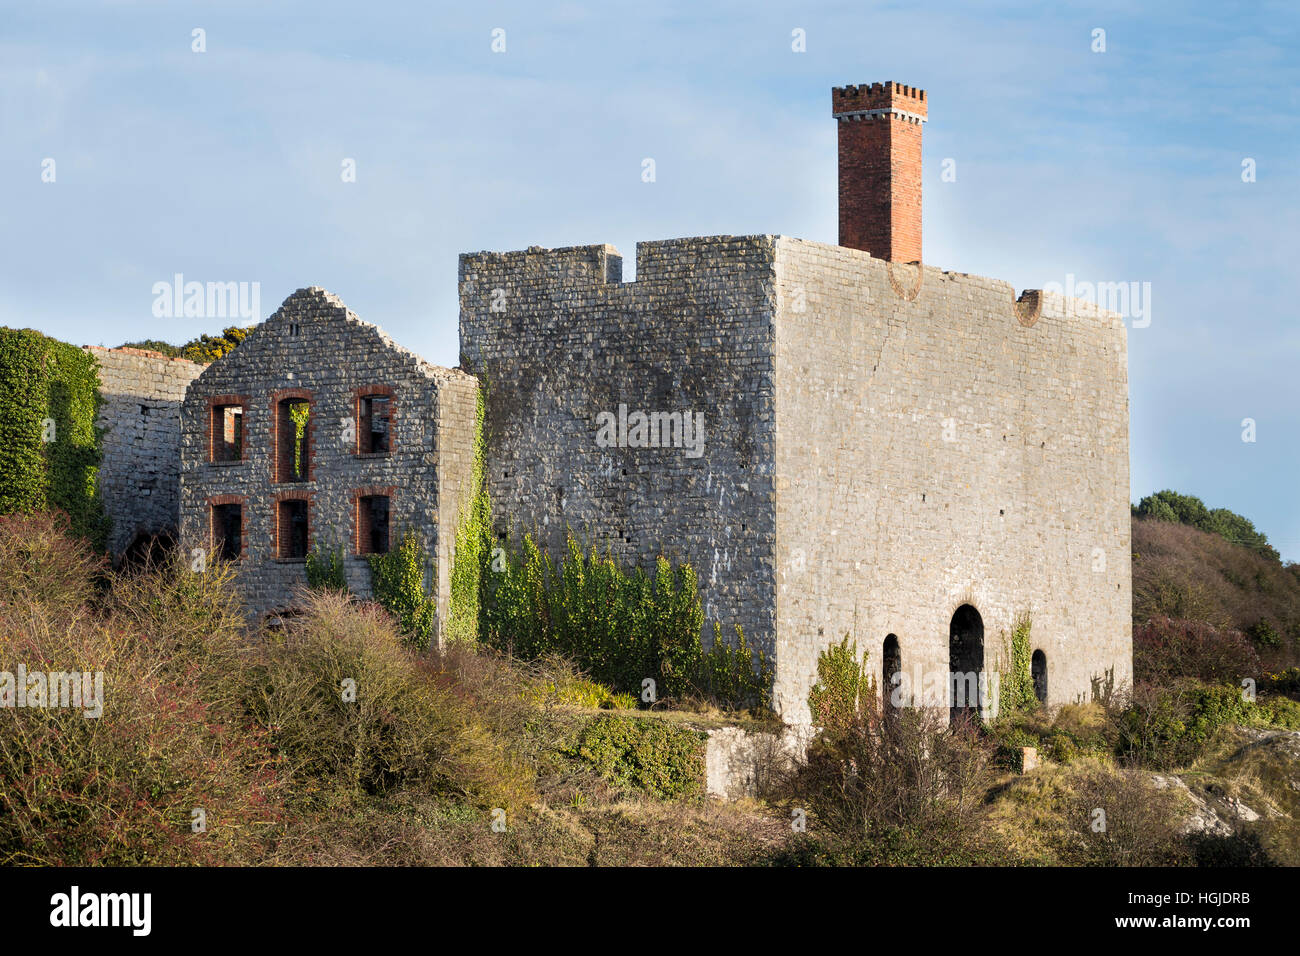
[941, 845]
[870, 771]
[397, 581]
[121, 788]
[1284, 682]
[1165, 727]
[1119, 818]
[578, 692]
[1263, 633]
[653, 755]
[835, 699]
[619, 627]
[344, 701]
[325, 570]
[40, 565]
[1165, 650]
[909, 770]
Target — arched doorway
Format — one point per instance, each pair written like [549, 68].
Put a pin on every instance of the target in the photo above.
[965, 663]
[891, 662]
[1038, 670]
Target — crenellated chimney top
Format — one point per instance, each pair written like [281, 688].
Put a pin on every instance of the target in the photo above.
[880, 168]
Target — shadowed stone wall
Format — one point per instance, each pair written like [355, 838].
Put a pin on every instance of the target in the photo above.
[139, 476]
[561, 341]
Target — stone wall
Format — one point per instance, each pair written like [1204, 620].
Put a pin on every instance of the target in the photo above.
[948, 448]
[560, 341]
[313, 347]
[139, 476]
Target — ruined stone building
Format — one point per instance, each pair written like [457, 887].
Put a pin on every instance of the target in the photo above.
[319, 433]
[840, 439]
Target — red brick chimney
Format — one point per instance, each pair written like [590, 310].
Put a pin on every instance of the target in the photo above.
[880, 168]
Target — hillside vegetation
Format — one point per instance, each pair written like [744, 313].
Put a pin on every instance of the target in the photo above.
[331, 737]
[1186, 574]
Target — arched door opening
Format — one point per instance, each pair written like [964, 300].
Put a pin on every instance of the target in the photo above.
[965, 663]
[891, 662]
[1038, 670]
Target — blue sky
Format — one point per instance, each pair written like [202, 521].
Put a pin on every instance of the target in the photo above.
[1116, 166]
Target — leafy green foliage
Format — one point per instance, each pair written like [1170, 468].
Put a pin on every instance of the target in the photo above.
[620, 627]
[325, 570]
[49, 445]
[205, 348]
[836, 698]
[1016, 687]
[299, 413]
[1189, 510]
[473, 543]
[663, 759]
[154, 345]
[1167, 727]
[397, 581]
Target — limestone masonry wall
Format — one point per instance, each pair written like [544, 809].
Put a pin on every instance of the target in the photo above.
[951, 449]
[139, 476]
[569, 341]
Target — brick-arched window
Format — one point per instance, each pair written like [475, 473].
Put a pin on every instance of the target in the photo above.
[292, 452]
[227, 422]
[372, 509]
[376, 413]
[292, 525]
[227, 527]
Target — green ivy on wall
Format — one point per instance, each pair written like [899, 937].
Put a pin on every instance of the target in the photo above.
[49, 445]
[1016, 688]
[397, 581]
[473, 542]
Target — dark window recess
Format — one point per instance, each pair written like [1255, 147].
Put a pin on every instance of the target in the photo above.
[291, 466]
[372, 524]
[227, 432]
[293, 529]
[1038, 670]
[228, 531]
[376, 424]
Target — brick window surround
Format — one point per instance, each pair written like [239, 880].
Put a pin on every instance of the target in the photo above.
[359, 403]
[282, 526]
[282, 432]
[224, 433]
[215, 530]
[361, 516]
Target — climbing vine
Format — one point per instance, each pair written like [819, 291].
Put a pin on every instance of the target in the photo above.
[397, 581]
[842, 683]
[1016, 688]
[49, 445]
[473, 541]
